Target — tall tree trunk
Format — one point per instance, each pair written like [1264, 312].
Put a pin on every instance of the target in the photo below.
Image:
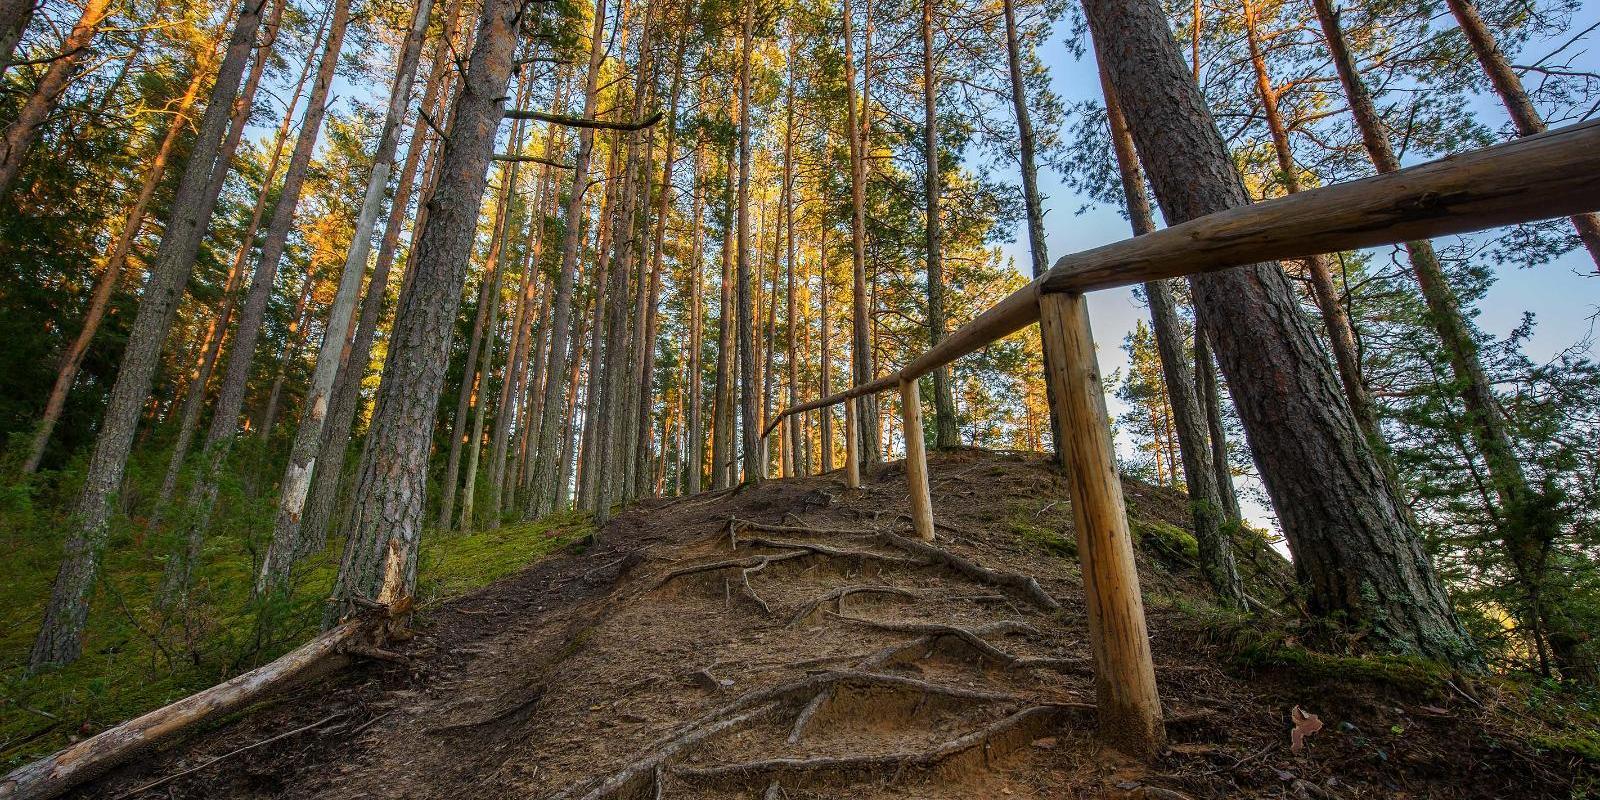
[23, 132]
[230, 398]
[1353, 547]
[589, 463]
[1205, 381]
[825, 362]
[211, 348]
[798, 464]
[1523, 539]
[696, 456]
[1515, 98]
[857, 120]
[333, 352]
[116, 259]
[750, 438]
[334, 447]
[663, 212]
[727, 349]
[944, 404]
[542, 495]
[386, 521]
[1205, 501]
[466, 393]
[60, 637]
[469, 489]
[1341, 338]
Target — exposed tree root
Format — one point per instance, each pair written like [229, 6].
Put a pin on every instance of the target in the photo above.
[1031, 720]
[894, 651]
[730, 563]
[772, 527]
[934, 630]
[632, 778]
[1024, 584]
[831, 551]
[1065, 666]
[841, 593]
[804, 718]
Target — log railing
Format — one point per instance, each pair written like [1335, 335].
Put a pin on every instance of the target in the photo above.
[1554, 174]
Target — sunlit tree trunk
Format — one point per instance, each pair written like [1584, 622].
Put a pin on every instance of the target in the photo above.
[696, 433]
[386, 518]
[858, 121]
[23, 132]
[60, 637]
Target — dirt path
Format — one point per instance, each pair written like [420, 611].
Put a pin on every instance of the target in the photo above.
[783, 642]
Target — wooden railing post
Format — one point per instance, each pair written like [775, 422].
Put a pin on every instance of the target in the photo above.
[916, 461]
[1125, 681]
[852, 448]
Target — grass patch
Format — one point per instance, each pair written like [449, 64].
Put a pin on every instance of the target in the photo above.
[135, 660]
[1164, 537]
[1047, 529]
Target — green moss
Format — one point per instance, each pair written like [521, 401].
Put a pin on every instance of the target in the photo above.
[1585, 744]
[1270, 649]
[135, 660]
[1163, 536]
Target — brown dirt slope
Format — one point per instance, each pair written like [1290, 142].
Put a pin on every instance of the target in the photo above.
[799, 653]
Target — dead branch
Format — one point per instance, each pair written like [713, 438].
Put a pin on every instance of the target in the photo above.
[508, 157]
[1034, 718]
[841, 593]
[583, 122]
[1021, 583]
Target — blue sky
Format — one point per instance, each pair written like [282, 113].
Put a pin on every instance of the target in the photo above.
[1564, 296]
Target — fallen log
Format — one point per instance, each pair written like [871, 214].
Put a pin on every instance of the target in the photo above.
[55, 774]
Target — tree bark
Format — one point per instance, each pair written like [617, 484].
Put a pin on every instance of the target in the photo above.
[1353, 548]
[727, 348]
[945, 435]
[1524, 542]
[792, 356]
[1341, 338]
[1205, 501]
[230, 397]
[657, 255]
[392, 478]
[61, 633]
[542, 494]
[116, 258]
[331, 355]
[1515, 99]
[859, 126]
[750, 435]
[334, 446]
[696, 456]
[825, 352]
[23, 132]
[14, 18]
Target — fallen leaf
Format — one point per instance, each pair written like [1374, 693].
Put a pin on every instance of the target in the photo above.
[1305, 724]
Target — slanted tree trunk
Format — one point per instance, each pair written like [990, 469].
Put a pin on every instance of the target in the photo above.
[14, 18]
[268, 414]
[1205, 502]
[60, 637]
[116, 257]
[230, 397]
[944, 404]
[334, 447]
[1515, 98]
[23, 132]
[1525, 543]
[542, 494]
[331, 355]
[217, 333]
[1353, 548]
[392, 479]
[1205, 381]
[1341, 338]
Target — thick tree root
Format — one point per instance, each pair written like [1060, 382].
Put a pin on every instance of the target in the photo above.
[830, 551]
[934, 630]
[1023, 584]
[894, 651]
[1029, 722]
[838, 595]
[634, 778]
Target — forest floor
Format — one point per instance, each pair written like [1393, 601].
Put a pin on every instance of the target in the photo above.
[785, 642]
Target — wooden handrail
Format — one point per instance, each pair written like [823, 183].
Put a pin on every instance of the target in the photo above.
[1524, 180]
